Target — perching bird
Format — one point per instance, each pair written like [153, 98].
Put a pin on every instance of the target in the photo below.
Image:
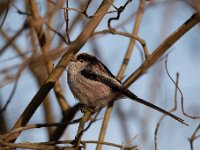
[95, 86]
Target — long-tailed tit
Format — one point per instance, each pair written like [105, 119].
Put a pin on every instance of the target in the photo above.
[95, 86]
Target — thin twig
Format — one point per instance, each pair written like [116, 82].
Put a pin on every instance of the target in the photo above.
[39, 125]
[31, 146]
[6, 13]
[51, 145]
[19, 11]
[87, 5]
[83, 12]
[66, 14]
[56, 32]
[80, 131]
[11, 40]
[182, 98]
[193, 137]
[67, 117]
[173, 109]
[125, 34]
[10, 97]
[119, 11]
[92, 120]
[14, 88]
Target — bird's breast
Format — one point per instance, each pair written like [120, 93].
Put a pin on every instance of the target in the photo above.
[88, 91]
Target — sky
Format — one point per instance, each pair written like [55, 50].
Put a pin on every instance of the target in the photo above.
[160, 19]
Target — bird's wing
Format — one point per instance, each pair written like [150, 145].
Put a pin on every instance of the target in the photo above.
[101, 74]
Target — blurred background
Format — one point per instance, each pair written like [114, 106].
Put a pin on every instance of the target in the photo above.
[130, 123]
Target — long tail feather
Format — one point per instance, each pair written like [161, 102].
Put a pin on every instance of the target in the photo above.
[148, 104]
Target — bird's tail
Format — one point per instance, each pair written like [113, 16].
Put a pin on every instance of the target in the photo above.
[148, 104]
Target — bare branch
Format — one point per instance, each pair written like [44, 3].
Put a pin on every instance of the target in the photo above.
[193, 137]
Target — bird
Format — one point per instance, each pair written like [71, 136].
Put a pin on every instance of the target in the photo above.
[93, 84]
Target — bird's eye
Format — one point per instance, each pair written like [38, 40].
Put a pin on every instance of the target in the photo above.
[81, 60]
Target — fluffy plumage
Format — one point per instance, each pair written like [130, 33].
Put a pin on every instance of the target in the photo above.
[95, 86]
